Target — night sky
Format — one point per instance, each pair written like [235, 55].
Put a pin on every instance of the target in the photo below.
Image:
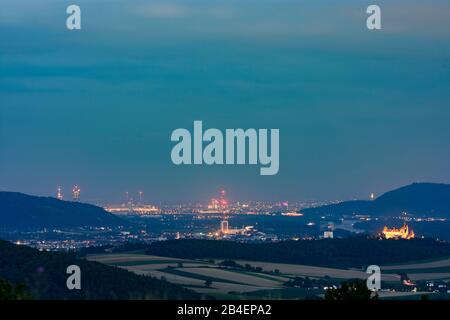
[359, 111]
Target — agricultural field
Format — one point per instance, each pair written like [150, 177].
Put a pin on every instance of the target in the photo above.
[438, 269]
[262, 280]
[316, 272]
[193, 274]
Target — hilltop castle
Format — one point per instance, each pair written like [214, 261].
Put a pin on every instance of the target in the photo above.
[402, 233]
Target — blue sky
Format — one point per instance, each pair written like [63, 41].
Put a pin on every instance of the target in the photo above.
[358, 111]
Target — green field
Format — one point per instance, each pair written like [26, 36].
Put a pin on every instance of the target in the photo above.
[197, 276]
[146, 262]
[241, 283]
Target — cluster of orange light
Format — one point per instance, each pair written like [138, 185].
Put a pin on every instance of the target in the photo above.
[402, 233]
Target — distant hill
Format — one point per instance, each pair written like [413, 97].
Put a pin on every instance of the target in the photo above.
[44, 276]
[346, 252]
[20, 211]
[422, 199]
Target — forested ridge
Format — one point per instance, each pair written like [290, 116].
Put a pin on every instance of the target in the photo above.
[43, 276]
[355, 251]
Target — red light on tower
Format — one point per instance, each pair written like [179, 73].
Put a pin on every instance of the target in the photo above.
[223, 201]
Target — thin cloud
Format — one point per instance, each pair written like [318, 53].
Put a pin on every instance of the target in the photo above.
[164, 10]
[176, 10]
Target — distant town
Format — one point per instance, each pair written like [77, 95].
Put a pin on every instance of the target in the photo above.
[218, 219]
[288, 249]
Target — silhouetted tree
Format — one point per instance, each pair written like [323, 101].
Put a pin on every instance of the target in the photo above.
[11, 292]
[351, 290]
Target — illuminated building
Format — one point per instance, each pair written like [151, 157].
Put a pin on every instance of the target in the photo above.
[223, 204]
[328, 230]
[402, 233]
[328, 234]
[289, 213]
[292, 214]
[59, 195]
[226, 230]
[138, 210]
[76, 193]
[224, 226]
[217, 205]
[213, 207]
[214, 204]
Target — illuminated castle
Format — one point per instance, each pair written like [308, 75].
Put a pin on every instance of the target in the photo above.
[402, 233]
